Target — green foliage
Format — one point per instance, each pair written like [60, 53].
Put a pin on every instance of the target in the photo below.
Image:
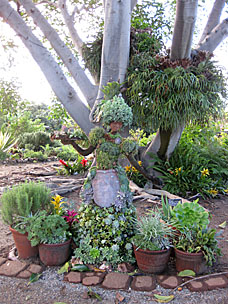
[199, 164]
[24, 200]
[66, 152]
[34, 141]
[111, 89]
[115, 110]
[104, 234]
[57, 115]
[197, 239]
[134, 175]
[188, 215]
[47, 228]
[107, 156]
[152, 233]
[141, 137]
[38, 155]
[165, 96]
[95, 135]
[6, 141]
[129, 146]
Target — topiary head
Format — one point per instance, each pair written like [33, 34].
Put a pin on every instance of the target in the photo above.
[115, 110]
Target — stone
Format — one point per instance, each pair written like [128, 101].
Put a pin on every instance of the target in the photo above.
[215, 282]
[2, 260]
[92, 281]
[197, 285]
[143, 283]
[24, 274]
[116, 280]
[74, 277]
[169, 282]
[106, 186]
[125, 267]
[34, 268]
[12, 268]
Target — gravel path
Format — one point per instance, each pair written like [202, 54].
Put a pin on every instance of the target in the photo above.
[51, 289]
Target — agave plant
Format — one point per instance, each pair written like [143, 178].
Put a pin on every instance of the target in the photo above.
[6, 141]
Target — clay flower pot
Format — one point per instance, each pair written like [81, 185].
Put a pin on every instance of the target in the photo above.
[192, 261]
[152, 261]
[54, 254]
[23, 245]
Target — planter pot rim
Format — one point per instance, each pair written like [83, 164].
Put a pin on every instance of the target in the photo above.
[148, 250]
[16, 231]
[188, 253]
[56, 245]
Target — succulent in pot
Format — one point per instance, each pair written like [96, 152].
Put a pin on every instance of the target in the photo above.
[152, 242]
[51, 233]
[19, 203]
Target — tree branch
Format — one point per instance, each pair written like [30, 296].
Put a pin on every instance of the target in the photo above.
[71, 63]
[52, 71]
[133, 4]
[213, 19]
[65, 140]
[186, 11]
[216, 36]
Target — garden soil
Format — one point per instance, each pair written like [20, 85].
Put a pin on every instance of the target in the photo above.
[51, 288]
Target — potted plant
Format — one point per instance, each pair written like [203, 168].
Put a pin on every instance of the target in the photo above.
[51, 232]
[196, 248]
[18, 204]
[152, 243]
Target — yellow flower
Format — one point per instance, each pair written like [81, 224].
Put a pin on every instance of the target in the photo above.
[134, 170]
[213, 192]
[140, 163]
[177, 170]
[205, 172]
[128, 168]
[57, 203]
[226, 190]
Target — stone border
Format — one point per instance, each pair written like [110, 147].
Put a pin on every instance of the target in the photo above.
[118, 280]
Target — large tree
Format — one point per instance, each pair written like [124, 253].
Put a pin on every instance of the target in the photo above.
[19, 14]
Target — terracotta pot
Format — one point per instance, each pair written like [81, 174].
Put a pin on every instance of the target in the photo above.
[192, 261]
[54, 254]
[115, 126]
[23, 245]
[152, 261]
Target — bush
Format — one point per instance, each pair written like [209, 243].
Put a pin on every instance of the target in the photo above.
[24, 200]
[34, 141]
[199, 164]
[66, 153]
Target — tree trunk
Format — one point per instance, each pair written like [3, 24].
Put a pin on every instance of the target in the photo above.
[63, 90]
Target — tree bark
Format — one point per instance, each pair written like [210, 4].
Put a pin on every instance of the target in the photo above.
[213, 19]
[186, 11]
[53, 73]
[216, 36]
[116, 44]
[71, 63]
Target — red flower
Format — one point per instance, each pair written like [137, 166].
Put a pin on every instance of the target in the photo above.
[63, 163]
[84, 162]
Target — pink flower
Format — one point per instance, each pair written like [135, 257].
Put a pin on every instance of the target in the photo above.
[84, 162]
[63, 163]
[71, 216]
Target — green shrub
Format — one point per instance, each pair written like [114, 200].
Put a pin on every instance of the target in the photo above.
[66, 153]
[24, 200]
[34, 141]
[39, 155]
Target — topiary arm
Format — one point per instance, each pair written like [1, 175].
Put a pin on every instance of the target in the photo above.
[66, 140]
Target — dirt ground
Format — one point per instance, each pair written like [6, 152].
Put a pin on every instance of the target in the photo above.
[11, 174]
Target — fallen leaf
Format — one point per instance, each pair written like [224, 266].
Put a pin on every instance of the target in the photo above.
[163, 299]
[60, 303]
[64, 268]
[186, 273]
[119, 297]
[223, 225]
[34, 277]
[80, 267]
[93, 294]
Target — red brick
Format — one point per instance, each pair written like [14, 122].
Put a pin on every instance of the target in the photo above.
[215, 282]
[12, 268]
[24, 274]
[92, 281]
[74, 277]
[34, 268]
[116, 280]
[143, 283]
[197, 285]
[169, 282]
